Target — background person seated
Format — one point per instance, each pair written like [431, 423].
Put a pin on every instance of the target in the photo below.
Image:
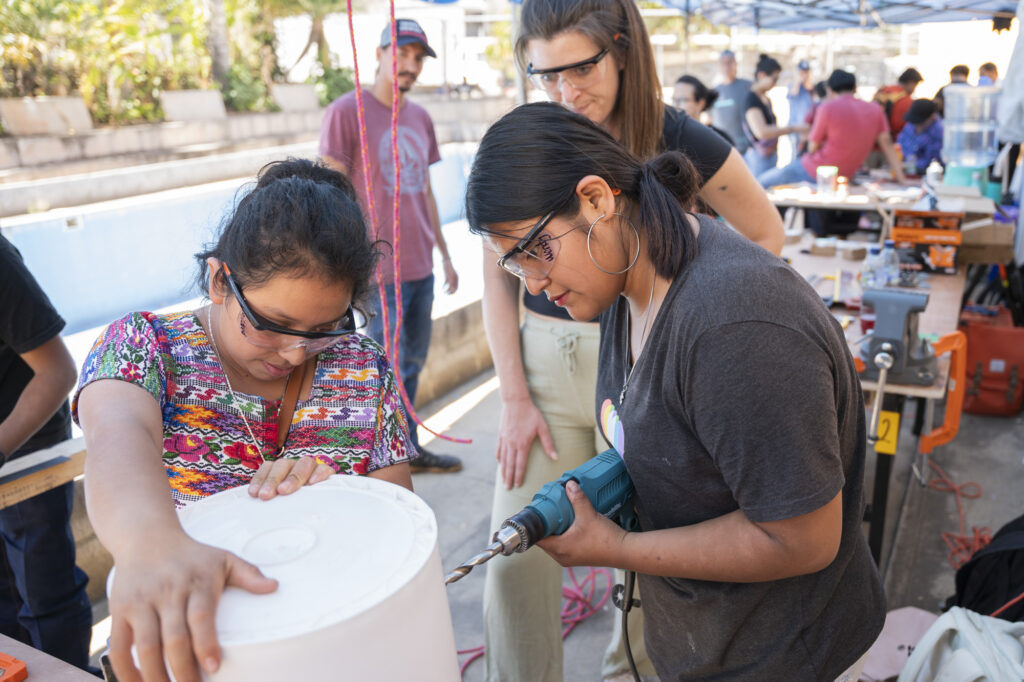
[921, 138]
[845, 130]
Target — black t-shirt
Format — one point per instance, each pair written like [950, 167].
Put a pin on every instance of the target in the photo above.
[755, 102]
[27, 321]
[744, 397]
[705, 149]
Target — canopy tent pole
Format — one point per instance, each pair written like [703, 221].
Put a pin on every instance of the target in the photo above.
[517, 10]
[686, 39]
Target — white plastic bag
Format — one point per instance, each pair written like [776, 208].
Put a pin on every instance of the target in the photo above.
[964, 646]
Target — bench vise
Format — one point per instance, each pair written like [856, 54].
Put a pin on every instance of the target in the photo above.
[911, 359]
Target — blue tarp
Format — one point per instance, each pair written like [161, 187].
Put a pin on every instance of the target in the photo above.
[817, 15]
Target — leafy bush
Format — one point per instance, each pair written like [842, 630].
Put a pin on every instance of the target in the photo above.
[118, 56]
[246, 91]
[331, 83]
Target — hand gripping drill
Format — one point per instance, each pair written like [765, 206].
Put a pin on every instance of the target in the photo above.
[603, 480]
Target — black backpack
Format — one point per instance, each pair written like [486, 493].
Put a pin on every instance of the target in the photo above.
[995, 575]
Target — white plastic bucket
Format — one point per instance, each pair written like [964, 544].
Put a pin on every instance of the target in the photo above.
[360, 588]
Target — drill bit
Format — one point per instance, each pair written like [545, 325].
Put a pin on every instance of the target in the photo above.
[461, 570]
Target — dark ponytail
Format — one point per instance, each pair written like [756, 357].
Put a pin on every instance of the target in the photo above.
[299, 218]
[530, 161]
[701, 92]
[767, 65]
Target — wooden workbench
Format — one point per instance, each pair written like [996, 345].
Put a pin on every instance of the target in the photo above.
[43, 667]
[884, 198]
[940, 317]
[40, 471]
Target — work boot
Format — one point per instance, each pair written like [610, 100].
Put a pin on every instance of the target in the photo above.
[428, 462]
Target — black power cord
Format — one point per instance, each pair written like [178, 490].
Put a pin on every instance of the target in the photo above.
[622, 597]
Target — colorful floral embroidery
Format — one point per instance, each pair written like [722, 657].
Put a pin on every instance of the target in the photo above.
[353, 420]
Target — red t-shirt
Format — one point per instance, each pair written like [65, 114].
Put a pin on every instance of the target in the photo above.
[846, 129]
[417, 150]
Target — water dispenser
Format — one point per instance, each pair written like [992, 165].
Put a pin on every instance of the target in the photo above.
[969, 144]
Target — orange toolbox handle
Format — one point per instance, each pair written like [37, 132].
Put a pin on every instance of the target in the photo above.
[956, 344]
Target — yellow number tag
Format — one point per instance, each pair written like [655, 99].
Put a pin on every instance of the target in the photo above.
[888, 431]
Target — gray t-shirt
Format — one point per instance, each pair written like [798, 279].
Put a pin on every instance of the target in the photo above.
[745, 397]
[729, 110]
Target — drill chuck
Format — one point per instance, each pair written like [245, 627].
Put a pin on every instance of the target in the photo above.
[520, 531]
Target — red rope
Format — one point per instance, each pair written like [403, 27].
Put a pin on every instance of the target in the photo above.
[578, 606]
[961, 546]
[391, 345]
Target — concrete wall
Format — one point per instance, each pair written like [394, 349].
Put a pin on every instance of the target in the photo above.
[455, 119]
[46, 172]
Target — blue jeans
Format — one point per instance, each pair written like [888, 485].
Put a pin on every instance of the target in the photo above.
[417, 302]
[42, 593]
[787, 175]
[759, 164]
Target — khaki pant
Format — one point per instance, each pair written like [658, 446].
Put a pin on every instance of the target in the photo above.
[523, 592]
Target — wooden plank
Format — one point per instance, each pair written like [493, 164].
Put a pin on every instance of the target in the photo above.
[40, 471]
[41, 666]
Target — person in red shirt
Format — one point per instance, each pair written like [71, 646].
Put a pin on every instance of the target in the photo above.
[844, 132]
[896, 99]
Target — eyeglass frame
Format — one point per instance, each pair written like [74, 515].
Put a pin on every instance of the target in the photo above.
[262, 324]
[531, 236]
[531, 72]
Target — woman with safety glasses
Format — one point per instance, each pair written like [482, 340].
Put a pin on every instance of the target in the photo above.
[266, 386]
[726, 387]
[594, 57]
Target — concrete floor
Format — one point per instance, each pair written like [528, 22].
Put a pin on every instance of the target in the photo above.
[989, 451]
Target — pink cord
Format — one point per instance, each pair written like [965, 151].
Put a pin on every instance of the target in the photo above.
[391, 345]
[578, 606]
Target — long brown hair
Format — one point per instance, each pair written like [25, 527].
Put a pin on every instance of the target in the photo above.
[617, 26]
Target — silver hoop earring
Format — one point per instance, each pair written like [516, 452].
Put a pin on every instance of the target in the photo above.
[590, 253]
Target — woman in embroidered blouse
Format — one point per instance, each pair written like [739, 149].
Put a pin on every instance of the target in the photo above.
[192, 399]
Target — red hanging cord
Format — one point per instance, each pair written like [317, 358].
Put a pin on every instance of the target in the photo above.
[391, 345]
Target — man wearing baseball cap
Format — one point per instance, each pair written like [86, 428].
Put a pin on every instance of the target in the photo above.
[419, 225]
[921, 137]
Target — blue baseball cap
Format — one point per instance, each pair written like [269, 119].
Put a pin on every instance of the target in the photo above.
[407, 31]
[803, 65]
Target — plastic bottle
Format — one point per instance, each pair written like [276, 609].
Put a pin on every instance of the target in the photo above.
[891, 261]
[910, 165]
[870, 271]
[934, 173]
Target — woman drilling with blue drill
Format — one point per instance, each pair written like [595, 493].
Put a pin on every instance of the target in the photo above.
[726, 387]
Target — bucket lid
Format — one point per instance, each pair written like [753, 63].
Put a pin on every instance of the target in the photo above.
[336, 548]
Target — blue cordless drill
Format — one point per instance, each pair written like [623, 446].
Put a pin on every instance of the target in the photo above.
[603, 480]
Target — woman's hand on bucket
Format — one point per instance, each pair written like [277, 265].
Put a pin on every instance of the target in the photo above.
[286, 475]
[164, 602]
